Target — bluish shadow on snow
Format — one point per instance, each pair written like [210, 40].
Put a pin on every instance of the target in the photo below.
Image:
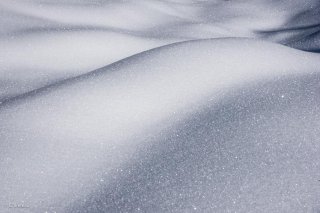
[256, 151]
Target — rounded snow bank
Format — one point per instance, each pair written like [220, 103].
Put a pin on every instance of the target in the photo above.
[182, 127]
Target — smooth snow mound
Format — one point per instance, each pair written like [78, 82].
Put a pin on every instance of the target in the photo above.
[45, 41]
[200, 122]
[159, 106]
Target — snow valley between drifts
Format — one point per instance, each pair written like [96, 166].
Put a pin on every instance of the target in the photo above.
[159, 106]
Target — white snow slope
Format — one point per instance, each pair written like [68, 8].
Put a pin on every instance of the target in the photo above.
[159, 106]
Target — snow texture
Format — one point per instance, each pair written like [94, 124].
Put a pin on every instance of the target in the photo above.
[159, 106]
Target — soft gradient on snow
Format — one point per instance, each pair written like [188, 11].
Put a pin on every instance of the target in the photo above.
[159, 106]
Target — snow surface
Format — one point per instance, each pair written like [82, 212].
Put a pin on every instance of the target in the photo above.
[159, 106]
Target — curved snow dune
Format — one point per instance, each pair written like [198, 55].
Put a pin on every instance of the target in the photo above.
[34, 59]
[174, 18]
[255, 151]
[44, 41]
[63, 141]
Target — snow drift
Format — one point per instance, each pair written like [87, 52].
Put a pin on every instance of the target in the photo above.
[172, 122]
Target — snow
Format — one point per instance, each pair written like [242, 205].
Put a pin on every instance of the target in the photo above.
[159, 106]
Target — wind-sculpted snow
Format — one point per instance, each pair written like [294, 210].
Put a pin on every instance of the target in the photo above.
[55, 40]
[159, 106]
